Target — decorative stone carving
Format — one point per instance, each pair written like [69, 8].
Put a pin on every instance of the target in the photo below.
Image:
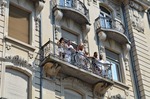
[101, 88]
[118, 96]
[88, 2]
[51, 69]
[8, 46]
[136, 16]
[126, 49]
[37, 23]
[2, 7]
[86, 28]
[39, 7]
[58, 15]
[30, 55]
[136, 6]
[102, 36]
[18, 60]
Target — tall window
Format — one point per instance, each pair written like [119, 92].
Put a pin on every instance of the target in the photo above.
[19, 26]
[16, 85]
[113, 58]
[105, 18]
[70, 94]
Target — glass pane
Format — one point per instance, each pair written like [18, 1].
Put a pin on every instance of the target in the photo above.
[61, 2]
[102, 20]
[115, 73]
[68, 3]
[108, 22]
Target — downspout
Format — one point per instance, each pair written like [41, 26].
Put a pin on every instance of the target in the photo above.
[132, 67]
[40, 45]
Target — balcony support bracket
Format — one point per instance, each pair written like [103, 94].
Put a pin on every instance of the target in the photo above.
[51, 69]
[101, 88]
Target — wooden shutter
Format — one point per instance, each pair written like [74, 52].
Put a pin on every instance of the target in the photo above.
[18, 27]
[16, 85]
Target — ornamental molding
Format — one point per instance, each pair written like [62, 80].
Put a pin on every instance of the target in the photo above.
[136, 16]
[118, 96]
[17, 60]
[138, 5]
[2, 7]
[51, 69]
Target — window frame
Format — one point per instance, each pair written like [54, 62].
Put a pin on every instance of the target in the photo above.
[31, 30]
[117, 64]
[71, 90]
[106, 18]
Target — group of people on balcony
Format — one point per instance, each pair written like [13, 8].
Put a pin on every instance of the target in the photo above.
[66, 50]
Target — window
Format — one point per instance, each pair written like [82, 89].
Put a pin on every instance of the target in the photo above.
[70, 36]
[67, 3]
[16, 85]
[113, 58]
[19, 26]
[69, 94]
[105, 18]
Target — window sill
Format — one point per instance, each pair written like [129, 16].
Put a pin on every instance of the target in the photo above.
[120, 85]
[19, 44]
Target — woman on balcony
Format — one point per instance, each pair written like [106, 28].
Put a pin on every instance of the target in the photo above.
[98, 64]
[68, 51]
[82, 54]
[61, 46]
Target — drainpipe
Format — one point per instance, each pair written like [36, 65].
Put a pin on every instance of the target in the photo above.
[40, 45]
[132, 67]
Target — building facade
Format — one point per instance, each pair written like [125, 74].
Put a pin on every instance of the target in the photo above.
[33, 65]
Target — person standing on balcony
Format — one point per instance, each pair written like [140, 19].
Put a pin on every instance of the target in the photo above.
[68, 51]
[61, 46]
[82, 56]
[98, 64]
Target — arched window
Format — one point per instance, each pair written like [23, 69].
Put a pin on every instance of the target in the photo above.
[17, 85]
[70, 94]
[105, 18]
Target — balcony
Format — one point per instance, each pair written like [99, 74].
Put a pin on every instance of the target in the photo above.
[113, 28]
[79, 66]
[73, 9]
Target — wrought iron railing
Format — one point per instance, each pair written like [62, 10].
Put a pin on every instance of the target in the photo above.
[75, 58]
[73, 4]
[109, 23]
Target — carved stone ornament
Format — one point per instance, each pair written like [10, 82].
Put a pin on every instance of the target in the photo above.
[37, 23]
[136, 16]
[102, 36]
[39, 7]
[86, 28]
[58, 15]
[8, 46]
[17, 60]
[51, 69]
[101, 88]
[136, 6]
[126, 49]
[2, 7]
[118, 96]
[30, 54]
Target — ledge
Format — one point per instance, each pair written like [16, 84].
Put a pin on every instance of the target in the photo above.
[120, 85]
[19, 44]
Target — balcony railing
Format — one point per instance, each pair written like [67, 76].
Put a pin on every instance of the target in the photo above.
[109, 23]
[81, 62]
[113, 28]
[74, 5]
